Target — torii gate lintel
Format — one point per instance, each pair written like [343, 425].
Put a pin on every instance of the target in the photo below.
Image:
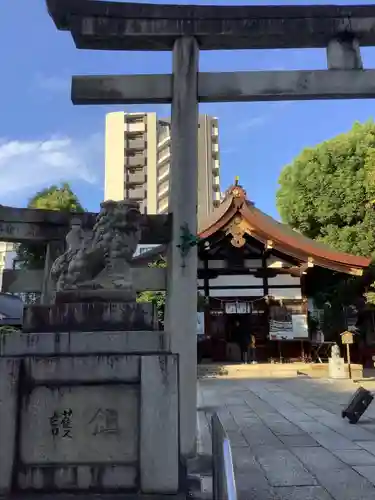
[113, 25]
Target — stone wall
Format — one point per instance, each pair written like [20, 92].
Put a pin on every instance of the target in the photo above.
[88, 412]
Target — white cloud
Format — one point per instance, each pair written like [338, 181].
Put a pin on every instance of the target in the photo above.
[26, 166]
[53, 84]
[260, 120]
[256, 121]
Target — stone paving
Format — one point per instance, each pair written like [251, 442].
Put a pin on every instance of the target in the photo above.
[289, 440]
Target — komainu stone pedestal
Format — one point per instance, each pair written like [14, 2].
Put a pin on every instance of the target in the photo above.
[89, 399]
[88, 413]
[337, 368]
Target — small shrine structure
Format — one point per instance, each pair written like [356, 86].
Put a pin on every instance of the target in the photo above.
[256, 274]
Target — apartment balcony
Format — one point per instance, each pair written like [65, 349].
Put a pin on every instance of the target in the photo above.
[135, 127]
[215, 148]
[215, 131]
[163, 174]
[135, 161]
[163, 193]
[216, 167]
[136, 193]
[217, 196]
[164, 141]
[137, 144]
[163, 209]
[143, 206]
[164, 157]
[163, 203]
[216, 183]
[136, 178]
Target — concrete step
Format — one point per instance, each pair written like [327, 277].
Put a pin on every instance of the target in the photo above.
[94, 496]
[270, 370]
[320, 370]
[261, 370]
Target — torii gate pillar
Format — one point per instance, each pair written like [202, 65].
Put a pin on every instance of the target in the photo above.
[181, 306]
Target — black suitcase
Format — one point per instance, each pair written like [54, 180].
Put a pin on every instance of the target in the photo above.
[357, 406]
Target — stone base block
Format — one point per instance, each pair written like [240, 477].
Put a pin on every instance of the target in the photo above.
[88, 317]
[89, 424]
[337, 368]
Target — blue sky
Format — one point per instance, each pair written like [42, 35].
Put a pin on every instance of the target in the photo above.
[44, 139]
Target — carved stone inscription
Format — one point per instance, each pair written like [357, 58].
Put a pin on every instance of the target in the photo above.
[61, 423]
[105, 421]
[92, 424]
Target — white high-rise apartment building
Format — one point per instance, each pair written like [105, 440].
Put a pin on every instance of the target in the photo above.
[138, 158]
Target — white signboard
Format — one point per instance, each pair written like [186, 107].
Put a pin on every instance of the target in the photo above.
[237, 308]
[243, 308]
[289, 330]
[200, 323]
[300, 328]
[281, 330]
[230, 308]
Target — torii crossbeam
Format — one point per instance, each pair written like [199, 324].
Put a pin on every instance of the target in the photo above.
[244, 86]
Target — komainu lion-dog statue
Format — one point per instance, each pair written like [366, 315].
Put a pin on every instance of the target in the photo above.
[100, 259]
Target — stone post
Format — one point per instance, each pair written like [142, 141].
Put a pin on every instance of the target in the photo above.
[181, 307]
[54, 250]
[344, 53]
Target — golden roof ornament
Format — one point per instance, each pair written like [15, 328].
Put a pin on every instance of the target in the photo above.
[236, 190]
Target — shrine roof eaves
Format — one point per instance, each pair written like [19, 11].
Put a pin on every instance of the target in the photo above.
[102, 25]
[281, 235]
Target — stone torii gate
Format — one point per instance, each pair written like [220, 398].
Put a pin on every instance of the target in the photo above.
[185, 30]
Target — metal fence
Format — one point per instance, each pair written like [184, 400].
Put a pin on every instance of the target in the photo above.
[224, 483]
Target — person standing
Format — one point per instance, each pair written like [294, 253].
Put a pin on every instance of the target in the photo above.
[242, 340]
[252, 350]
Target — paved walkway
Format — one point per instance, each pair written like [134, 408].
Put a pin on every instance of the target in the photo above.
[289, 440]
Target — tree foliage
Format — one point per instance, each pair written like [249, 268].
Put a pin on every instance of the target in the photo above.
[8, 330]
[60, 198]
[158, 298]
[328, 192]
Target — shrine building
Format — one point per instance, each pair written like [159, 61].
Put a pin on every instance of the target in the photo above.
[255, 274]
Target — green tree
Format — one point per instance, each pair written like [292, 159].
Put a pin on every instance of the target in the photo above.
[158, 298]
[328, 192]
[60, 198]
